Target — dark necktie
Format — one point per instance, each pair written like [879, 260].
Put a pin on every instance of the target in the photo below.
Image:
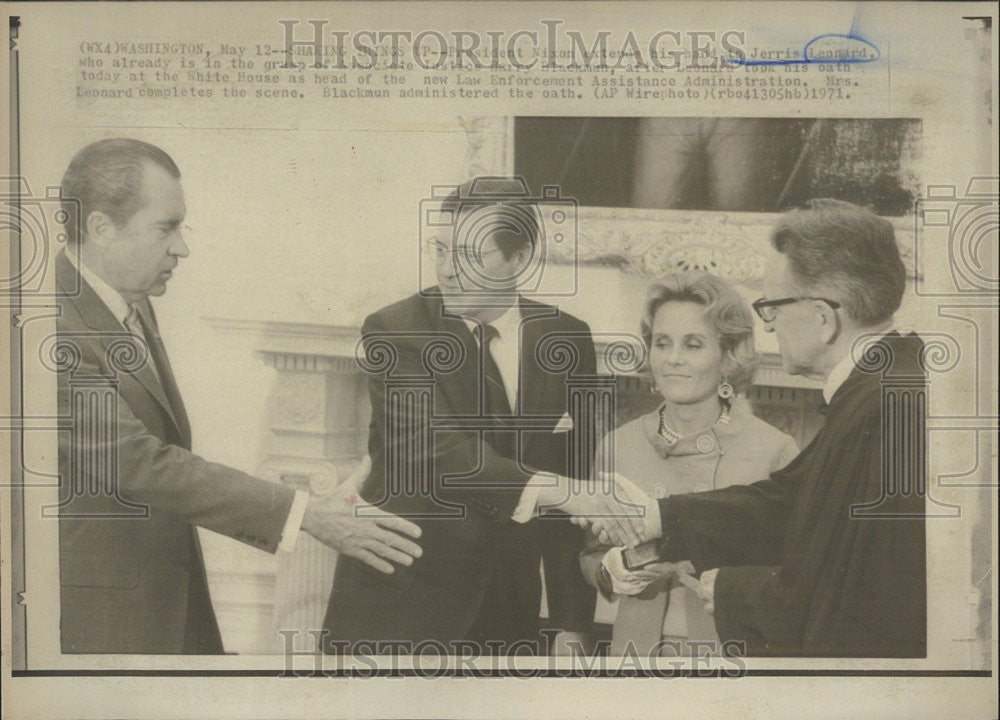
[495, 402]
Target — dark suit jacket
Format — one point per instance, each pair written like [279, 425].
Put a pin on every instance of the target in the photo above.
[131, 574]
[473, 552]
[827, 556]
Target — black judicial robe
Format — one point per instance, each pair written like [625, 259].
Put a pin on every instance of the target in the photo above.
[827, 556]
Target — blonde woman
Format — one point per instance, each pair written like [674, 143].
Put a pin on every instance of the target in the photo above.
[699, 334]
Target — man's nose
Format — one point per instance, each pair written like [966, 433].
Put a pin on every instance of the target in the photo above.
[178, 247]
[769, 327]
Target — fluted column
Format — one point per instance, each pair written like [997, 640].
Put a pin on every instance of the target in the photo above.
[316, 417]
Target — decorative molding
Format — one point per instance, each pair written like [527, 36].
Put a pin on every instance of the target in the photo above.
[299, 399]
[651, 243]
[309, 347]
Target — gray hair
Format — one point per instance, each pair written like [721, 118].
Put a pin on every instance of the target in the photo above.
[839, 249]
[106, 176]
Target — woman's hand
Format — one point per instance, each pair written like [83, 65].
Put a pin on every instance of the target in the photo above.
[623, 581]
[633, 582]
[707, 590]
[663, 571]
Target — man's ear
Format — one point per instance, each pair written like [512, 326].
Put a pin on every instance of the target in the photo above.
[829, 322]
[100, 228]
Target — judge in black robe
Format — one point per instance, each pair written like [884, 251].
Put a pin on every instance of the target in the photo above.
[827, 556]
[824, 558]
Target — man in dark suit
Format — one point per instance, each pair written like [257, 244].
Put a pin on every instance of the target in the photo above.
[131, 573]
[473, 431]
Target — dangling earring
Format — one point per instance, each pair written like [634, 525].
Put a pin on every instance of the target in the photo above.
[726, 390]
[653, 390]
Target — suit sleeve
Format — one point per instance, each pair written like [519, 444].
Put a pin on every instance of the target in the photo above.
[788, 451]
[403, 429]
[166, 477]
[858, 587]
[571, 601]
[737, 525]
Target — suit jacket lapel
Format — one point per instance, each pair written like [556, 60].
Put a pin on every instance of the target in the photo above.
[462, 387]
[534, 387]
[168, 382]
[107, 329]
[536, 321]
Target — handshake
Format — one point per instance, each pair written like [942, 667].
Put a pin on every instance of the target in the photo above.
[613, 508]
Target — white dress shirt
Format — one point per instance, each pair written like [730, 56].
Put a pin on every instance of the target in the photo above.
[506, 350]
[120, 310]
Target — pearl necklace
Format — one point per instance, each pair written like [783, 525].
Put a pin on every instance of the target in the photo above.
[671, 436]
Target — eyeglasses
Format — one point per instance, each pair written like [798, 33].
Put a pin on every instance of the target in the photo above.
[765, 309]
[440, 252]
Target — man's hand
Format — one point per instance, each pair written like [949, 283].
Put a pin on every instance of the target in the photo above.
[614, 509]
[374, 538]
[707, 590]
[605, 506]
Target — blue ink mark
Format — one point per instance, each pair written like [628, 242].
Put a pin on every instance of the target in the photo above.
[807, 59]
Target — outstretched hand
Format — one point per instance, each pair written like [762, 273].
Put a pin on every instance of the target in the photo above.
[346, 523]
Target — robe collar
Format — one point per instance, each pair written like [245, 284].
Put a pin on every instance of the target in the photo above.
[842, 370]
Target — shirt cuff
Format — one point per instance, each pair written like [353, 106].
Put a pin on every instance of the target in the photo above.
[652, 522]
[293, 523]
[527, 505]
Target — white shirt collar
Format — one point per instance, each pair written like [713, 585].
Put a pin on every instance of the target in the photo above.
[842, 370]
[506, 348]
[507, 325]
[108, 295]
